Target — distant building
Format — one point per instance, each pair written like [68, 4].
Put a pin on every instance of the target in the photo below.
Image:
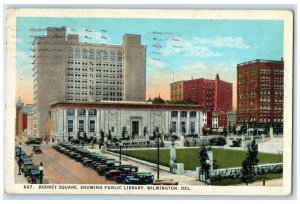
[22, 112]
[65, 69]
[215, 119]
[176, 91]
[231, 119]
[212, 94]
[137, 119]
[260, 93]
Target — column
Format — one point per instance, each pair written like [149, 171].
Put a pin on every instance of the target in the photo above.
[188, 122]
[65, 128]
[65, 122]
[178, 122]
[98, 123]
[201, 123]
[197, 123]
[169, 120]
[86, 121]
[76, 122]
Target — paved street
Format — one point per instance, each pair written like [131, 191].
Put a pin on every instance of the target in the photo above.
[59, 168]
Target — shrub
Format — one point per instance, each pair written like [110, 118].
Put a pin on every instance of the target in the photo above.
[219, 141]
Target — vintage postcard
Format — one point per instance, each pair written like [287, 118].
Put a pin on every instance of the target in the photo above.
[156, 102]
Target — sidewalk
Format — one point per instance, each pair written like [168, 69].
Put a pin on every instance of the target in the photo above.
[19, 179]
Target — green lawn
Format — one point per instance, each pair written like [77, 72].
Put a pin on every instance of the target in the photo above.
[224, 158]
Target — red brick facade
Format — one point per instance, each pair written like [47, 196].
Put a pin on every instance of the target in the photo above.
[212, 94]
[260, 92]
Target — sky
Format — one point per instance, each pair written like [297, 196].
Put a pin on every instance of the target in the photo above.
[177, 49]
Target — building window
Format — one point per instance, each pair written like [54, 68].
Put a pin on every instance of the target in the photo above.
[174, 113]
[92, 126]
[70, 125]
[81, 125]
[70, 112]
[77, 50]
[81, 112]
[112, 129]
[193, 114]
[192, 127]
[92, 112]
[173, 127]
[183, 114]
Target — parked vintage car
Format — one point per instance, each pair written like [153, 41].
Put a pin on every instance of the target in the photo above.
[26, 164]
[34, 141]
[27, 169]
[87, 163]
[78, 157]
[116, 174]
[37, 149]
[18, 154]
[165, 182]
[33, 176]
[140, 178]
[104, 168]
[25, 157]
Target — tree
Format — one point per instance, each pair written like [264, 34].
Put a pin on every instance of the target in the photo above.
[158, 100]
[123, 133]
[84, 136]
[100, 143]
[225, 131]
[94, 141]
[234, 130]
[109, 135]
[248, 164]
[203, 162]
[229, 128]
[145, 131]
[78, 135]
[102, 135]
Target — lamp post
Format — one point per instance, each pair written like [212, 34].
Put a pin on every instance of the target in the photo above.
[41, 168]
[158, 137]
[120, 157]
[19, 161]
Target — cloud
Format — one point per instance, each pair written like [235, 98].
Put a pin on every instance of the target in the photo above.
[90, 36]
[155, 64]
[23, 63]
[229, 42]
[202, 47]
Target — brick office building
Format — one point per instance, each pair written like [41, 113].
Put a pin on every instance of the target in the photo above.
[260, 93]
[22, 112]
[212, 94]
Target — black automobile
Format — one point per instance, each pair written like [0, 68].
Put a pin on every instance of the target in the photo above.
[26, 164]
[27, 169]
[87, 163]
[34, 141]
[33, 176]
[18, 154]
[37, 149]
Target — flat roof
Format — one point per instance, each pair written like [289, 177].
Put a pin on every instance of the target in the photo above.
[124, 105]
[259, 61]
